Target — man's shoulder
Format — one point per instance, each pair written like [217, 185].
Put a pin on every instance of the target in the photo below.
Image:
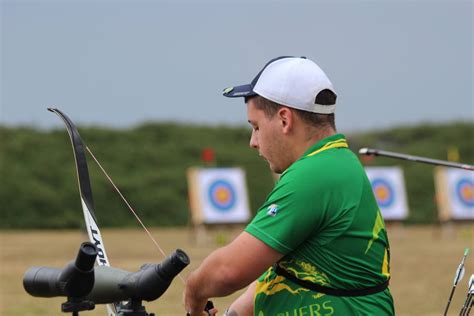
[341, 170]
[327, 162]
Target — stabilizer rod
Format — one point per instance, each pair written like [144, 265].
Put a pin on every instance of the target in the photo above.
[377, 152]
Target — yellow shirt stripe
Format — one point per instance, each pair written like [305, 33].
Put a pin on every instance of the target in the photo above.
[340, 143]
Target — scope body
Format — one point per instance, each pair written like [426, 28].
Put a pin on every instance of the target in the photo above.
[149, 283]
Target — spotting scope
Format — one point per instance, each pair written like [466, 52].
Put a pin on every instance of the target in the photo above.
[86, 285]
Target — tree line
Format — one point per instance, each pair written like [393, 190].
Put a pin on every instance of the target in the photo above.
[149, 163]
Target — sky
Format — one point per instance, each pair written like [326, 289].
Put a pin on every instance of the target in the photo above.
[121, 63]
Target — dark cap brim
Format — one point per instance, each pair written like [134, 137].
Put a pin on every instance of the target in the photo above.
[239, 91]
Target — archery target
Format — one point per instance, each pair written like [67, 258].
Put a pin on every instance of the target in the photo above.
[218, 195]
[455, 191]
[465, 192]
[221, 195]
[388, 186]
[383, 191]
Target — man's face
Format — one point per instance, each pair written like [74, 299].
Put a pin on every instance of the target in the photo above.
[267, 137]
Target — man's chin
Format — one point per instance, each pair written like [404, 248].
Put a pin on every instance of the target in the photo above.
[272, 167]
[275, 169]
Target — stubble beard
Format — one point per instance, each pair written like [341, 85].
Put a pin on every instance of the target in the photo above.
[275, 156]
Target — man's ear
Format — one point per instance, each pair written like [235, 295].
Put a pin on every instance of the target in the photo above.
[286, 117]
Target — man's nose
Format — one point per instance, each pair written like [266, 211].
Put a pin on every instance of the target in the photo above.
[253, 141]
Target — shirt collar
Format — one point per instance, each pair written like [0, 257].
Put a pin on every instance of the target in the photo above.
[323, 142]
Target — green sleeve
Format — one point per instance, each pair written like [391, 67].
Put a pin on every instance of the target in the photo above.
[291, 213]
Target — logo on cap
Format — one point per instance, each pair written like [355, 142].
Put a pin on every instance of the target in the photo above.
[227, 90]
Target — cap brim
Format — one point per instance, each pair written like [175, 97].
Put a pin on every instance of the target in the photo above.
[239, 91]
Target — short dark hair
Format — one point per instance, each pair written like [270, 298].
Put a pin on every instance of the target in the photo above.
[270, 108]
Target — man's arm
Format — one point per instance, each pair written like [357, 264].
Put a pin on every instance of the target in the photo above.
[227, 270]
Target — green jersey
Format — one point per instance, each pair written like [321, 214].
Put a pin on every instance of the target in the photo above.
[322, 215]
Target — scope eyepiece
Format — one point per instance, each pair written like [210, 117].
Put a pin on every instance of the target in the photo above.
[153, 280]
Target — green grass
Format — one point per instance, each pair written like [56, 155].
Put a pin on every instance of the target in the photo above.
[424, 260]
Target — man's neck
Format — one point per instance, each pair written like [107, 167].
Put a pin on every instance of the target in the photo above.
[312, 137]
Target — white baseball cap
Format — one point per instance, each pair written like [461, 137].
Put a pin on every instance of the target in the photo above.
[295, 82]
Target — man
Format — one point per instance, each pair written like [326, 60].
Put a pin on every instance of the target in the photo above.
[318, 244]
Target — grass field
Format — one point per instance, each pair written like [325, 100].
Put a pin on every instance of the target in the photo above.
[424, 260]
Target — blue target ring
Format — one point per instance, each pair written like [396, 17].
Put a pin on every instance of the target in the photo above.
[465, 192]
[221, 195]
[384, 192]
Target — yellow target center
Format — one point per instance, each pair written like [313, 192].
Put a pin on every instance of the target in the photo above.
[381, 193]
[222, 195]
[467, 192]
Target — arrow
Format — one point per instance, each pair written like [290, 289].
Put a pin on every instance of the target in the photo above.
[466, 308]
[457, 277]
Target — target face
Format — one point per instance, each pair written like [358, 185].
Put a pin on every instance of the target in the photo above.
[383, 191]
[388, 185]
[455, 189]
[218, 195]
[222, 195]
[465, 192]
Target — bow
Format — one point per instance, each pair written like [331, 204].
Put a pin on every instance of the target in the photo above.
[87, 202]
[85, 191]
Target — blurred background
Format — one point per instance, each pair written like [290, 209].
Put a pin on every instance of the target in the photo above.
[143, 79]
